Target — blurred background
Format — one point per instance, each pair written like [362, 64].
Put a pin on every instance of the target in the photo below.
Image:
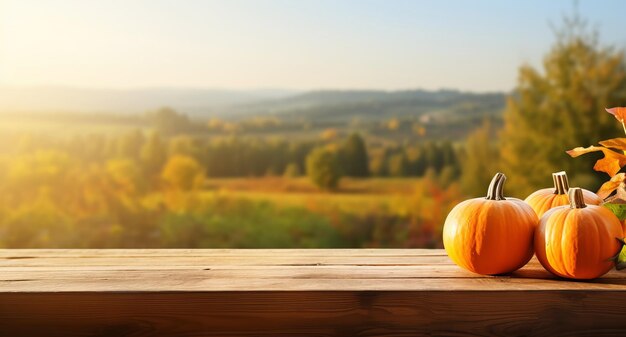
[271, 123]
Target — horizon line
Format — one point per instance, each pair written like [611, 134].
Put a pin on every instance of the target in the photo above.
[246, 89]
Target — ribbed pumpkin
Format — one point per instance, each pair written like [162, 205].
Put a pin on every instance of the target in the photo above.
[544, 199]
[578, 241]
[492, 235]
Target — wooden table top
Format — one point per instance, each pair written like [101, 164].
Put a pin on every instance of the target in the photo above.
[220, 270]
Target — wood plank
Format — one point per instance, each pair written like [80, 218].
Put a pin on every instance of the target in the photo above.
[169, 282]
[326, 313]
[124, 253]
[261, 260]
[264, 270]
[321, 272]
[276, 292]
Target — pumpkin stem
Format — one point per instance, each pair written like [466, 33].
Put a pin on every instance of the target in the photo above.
[496, 187]
[576, 199]
[561, 184]
[555, 179]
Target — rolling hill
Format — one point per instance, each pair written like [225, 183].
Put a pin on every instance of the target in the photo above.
[449, 114]
[374, 105]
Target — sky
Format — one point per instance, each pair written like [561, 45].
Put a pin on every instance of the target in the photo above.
[284, 44]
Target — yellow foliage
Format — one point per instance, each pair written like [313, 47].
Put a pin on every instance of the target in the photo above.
[39, 168]
[215, 124]
[124, 173]
[329, 134]
[182, 173]
[393, 124]
[419, 130]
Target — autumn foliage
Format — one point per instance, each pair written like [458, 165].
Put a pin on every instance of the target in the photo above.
[138, 190]
[555, 107]
[612, 161]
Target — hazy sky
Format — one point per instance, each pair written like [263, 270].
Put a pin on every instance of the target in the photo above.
[291, 44]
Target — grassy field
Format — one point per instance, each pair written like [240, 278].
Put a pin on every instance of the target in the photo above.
[380, 212]
[356, 196]
[303, 185]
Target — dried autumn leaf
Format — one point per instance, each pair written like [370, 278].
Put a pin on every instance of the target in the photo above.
[621, 192]
[610, 186]
[611, 163]
[615, 143]
[579, 151]
[618, 112]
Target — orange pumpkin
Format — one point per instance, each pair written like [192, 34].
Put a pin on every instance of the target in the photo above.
[578, 241]
[544, 199]
[492, 235]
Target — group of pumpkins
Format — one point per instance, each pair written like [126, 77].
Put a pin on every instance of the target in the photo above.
[572, 236]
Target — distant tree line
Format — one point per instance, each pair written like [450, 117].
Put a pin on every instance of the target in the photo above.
[252, 157]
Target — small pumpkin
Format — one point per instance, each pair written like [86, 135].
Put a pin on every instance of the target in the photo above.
[492, 235]
[544, 199]
[578, 241]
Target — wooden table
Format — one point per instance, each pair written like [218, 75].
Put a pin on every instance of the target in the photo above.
[356, 292]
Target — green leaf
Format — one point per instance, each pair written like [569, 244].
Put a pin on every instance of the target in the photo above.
[618, 209]
[620, 261]
[620, 258]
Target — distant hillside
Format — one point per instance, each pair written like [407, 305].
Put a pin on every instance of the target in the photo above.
[329, 106]
[132, 101]
[374, 105]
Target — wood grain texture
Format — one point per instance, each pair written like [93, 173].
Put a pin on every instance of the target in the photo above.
[313, 292]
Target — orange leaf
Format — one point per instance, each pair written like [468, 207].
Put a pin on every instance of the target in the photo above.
[618, 112]
[615, 143]
[610, 186]
[611, 163]
[575, 152]
[621, 192]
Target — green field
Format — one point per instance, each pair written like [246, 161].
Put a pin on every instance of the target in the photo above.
[355, 196]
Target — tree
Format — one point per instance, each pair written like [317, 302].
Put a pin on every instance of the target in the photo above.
[433, 156]
[420, 164]
[182, 173]
[449, 157]
[292, 170]
[398, 165]
[322, 167]
[560, 108]
[169, 122]
[153, 154]
[480, 160]
[298, 151]
[354, 157]
[125, 175]
[393, 124]
[183, 145]
[378, 163]
[447, 176]
[129, 145]
[329, 134]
